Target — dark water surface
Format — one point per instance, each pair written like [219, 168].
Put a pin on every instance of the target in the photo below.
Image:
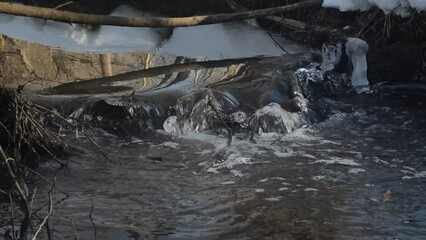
[357, 175]
[325, 181]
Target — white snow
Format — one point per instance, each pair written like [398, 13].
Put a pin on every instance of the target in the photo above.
[348, 5]
[399, 7]
[402, 8]
[419, 5]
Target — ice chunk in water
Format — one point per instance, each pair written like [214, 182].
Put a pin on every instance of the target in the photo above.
[331, 56]
[170, 125]
[356, 50]
[205, 109]
[272, 118]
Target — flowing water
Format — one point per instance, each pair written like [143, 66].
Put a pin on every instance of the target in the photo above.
[356, 174]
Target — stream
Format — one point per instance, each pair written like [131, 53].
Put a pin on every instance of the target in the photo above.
[356, 174]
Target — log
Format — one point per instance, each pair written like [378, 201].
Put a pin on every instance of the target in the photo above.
[93, 19]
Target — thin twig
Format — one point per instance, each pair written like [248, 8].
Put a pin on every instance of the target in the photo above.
[91, 220]
[63, 4]
[47, 180]
[48, 213]
[74, 230]
[12, 174]
[12, 214]
[27, 219]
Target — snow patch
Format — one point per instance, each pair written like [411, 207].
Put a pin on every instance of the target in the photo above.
[348, 5]
[403, 8]
[420, 5]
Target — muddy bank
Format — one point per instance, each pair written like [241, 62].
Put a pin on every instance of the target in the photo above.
[38, 67]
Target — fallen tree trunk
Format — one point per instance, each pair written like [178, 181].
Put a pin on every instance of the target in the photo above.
[72, 17]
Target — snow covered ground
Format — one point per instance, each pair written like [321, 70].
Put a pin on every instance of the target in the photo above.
[403, 8]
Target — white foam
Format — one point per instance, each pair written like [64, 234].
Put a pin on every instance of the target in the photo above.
[416, 175]
[380, 161]
[339, 161]
[318, 178]
[271, 178]
[409, 168]
[237, 173]
[204, 152]
[171, 145]
[356, 170]
[228, 183]
[311, 189]
[274, 199]
[260, 190]
[284, 154]
[230, 162]
[308, 156]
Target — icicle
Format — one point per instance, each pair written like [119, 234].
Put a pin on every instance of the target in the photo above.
[356, 50]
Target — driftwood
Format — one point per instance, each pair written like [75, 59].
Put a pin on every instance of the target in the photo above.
[291, 61]
[86, 85]
[72, 17]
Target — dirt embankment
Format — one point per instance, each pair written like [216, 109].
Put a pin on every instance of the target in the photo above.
[39, 67]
